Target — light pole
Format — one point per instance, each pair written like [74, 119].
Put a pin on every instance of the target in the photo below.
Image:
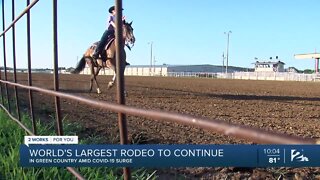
[150, 69]
[223, 58]
[228, 34]
[154, 65]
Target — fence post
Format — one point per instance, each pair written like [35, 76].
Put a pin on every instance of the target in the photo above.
[2, 101]
[14, 63]
[29, 72]
[56, 67]
[5, 58]
[120, 65]
[1, 91]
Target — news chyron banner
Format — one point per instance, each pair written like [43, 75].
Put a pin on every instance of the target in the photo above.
[64, 151]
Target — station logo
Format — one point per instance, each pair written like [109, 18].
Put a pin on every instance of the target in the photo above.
[298, 156]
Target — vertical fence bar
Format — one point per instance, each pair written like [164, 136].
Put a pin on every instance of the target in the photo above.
[29, 72]
[120, 65]
[1, 91]
[56, 67]
[2, 102]
[5, 58]
[14, 63]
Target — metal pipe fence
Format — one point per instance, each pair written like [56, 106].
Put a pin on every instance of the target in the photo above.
[249, 133]
[272, 76]
[26, 12]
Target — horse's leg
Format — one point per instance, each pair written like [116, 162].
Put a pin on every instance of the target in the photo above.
[122, 71]
[92, 76]
[124, 90]
[111, 83]
[125, 93]
[95, 79]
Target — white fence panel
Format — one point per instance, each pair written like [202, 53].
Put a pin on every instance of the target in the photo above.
[275, 76]
[272, 76]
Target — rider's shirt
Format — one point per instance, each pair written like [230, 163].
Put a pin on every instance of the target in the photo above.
[111, 19]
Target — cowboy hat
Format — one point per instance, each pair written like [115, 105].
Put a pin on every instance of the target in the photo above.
[112, 8]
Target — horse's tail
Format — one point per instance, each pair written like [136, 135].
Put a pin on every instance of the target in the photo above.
[80, 66]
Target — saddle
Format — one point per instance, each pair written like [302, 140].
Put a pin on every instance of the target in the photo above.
[104, 57]
[109, 42]
[103, 54]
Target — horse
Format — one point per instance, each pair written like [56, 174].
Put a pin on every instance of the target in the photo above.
[96, 65]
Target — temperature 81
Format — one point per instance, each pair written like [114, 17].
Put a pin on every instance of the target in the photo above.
[273, 160]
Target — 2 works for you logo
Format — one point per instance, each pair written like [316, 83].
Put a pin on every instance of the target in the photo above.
[298, 156]
[50, 140]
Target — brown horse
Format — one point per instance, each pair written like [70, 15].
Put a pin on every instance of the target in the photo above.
[110, 52]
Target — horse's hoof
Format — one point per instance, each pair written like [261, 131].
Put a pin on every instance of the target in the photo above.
[110, 84]
[98, 91]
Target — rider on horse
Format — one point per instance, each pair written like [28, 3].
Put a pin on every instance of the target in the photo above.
[107, 35]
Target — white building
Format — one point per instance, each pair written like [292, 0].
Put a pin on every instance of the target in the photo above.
[168, 70]
[269, 66]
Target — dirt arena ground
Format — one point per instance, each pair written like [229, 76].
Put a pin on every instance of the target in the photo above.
[286, 107]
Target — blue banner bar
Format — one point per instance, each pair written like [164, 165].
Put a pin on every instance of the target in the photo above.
[170, 155]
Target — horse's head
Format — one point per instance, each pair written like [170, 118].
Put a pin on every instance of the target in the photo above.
[128, 33]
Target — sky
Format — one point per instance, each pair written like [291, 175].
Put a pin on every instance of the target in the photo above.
[182, 32]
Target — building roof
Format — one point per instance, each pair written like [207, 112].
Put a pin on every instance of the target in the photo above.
[268, 62]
